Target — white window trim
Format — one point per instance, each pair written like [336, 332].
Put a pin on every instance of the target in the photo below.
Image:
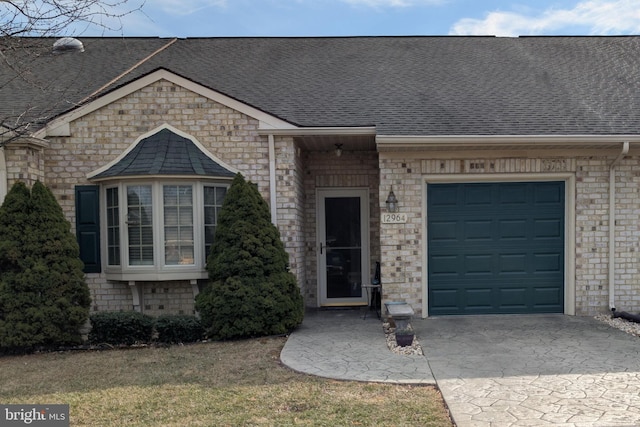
[158, 271]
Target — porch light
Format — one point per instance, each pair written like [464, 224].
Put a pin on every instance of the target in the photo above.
[338, 150]
[392, 202]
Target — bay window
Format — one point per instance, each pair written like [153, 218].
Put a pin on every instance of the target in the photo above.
[160, 230]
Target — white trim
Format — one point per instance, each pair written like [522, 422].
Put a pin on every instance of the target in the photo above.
[320, 131]
[201, 147]
[408, 141]
[272, 181]
[569, 224]
[266, 120]
[612, 225]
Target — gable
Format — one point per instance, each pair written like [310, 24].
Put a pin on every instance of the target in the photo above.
[61, 125]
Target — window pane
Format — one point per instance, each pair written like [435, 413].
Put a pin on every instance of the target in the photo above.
[220, 193]
[178, 224]
[139, 224]
[113, 227]
[213, 199]
[170, 215]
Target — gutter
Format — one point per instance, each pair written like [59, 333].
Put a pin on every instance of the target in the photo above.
[420, 141]
[612, 224]
[272, 181]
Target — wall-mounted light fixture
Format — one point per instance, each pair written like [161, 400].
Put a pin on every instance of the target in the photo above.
[392, 202]
[338, 150]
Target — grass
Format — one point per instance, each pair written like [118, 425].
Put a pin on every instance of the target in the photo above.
[238, 383]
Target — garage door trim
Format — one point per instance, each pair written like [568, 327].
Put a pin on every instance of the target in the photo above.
[569, 226]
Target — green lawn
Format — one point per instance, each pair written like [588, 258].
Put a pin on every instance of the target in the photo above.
[238, 383]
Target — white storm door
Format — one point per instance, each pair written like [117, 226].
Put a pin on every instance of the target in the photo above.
[343, 246]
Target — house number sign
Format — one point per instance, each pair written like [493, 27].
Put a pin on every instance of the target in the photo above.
[394, 218]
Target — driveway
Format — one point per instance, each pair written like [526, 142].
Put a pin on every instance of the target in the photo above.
[534, 370]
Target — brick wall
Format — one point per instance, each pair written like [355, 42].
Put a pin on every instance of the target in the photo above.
[25, 162]
[101, 136]
[325, 170]
[402, 244]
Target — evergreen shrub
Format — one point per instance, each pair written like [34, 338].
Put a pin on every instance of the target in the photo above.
[44, 298]
[126, 327]
[251, 290]
[179, 328]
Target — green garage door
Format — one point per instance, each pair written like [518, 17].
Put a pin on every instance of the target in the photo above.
[496, 248]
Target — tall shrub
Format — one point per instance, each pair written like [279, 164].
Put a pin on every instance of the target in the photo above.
[251, 292]
[44, 299]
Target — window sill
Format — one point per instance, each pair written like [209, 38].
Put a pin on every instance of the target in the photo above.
[156, 276]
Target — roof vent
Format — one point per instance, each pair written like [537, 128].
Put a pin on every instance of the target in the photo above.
[67, 44]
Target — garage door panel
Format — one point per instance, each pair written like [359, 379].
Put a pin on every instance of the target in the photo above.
[548, 193]
[478, 265]
[444, 265]
[513, 298]
[548, 228]
[512, 229]
[548, 298]
[479, 298]
[443, 197]
[510, 264]
[513, 195]
[478, 230]
[498, 249]
[444, 300]
[443, 231]
[478, 195]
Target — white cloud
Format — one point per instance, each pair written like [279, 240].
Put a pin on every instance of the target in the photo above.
[602, 17]
[184, 7]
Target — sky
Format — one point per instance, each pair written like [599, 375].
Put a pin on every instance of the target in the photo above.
[269, 18]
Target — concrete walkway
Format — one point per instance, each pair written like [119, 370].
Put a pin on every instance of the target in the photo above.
[341, 344]
[542, 370]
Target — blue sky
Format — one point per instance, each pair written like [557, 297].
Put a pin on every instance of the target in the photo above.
[214, 18]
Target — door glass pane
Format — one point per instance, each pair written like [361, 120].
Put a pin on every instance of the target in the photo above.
[344, 247]
[139, 225]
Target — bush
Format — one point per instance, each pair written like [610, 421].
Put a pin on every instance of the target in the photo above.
[44, 299]
[180, 328]
[127, 327]
[251, 292]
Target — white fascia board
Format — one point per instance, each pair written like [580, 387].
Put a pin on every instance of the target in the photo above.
[408, 141]
[319, 131]
[54, 127]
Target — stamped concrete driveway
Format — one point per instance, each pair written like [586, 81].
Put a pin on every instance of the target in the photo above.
[534, 370]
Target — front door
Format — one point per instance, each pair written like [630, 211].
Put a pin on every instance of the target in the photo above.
[343, 246]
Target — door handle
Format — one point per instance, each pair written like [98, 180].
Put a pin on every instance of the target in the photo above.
[320, 248]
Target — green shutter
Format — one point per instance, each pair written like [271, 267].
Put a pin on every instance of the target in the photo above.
[88, 226]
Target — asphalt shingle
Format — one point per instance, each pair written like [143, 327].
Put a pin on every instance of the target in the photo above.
[166, 153]
[401, 85]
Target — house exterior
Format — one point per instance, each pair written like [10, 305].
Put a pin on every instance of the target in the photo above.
[510, 158]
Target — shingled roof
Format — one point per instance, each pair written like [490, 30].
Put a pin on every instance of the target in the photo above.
[165, 153]
[401, 85]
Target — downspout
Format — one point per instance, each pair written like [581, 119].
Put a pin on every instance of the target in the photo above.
[612, 225]
[272, 180]
[4, 185]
